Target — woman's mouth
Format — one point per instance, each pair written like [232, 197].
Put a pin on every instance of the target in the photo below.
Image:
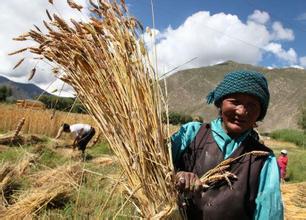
[238, 121]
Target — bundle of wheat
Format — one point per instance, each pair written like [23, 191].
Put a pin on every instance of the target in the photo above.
[9, 172]
[4, 170]
[18, 128]
[47, 188]
[105, 61]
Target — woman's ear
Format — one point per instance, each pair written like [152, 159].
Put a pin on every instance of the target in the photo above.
[220, 111]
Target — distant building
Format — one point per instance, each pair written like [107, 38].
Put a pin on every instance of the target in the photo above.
[29, 103]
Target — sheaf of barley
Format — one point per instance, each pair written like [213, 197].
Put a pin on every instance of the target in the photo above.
[48, 186]
[106, 63]
[221, 173]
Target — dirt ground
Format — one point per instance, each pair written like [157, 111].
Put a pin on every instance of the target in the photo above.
[294, 197]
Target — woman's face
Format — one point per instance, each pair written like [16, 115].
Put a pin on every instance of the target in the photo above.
[239, 113]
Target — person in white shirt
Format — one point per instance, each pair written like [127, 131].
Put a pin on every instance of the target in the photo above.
[83, 134]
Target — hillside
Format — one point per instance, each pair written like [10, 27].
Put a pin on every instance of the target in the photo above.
[187, 92]
[21, 90]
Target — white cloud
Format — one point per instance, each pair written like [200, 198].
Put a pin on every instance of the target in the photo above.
[220, 37]
[18, 17]
[290, 55]
[297, 67]
[303, 61]
[281, 33]
[212, 39]
[301, 17]
[270, 67]
[260, 17]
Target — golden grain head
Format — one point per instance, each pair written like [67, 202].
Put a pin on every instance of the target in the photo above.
[18, 51]
[18, 63]
[20, 38]
[74, 5]
[93, 4]
[32, 73]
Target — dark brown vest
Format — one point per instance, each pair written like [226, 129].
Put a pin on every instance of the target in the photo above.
[221, 202]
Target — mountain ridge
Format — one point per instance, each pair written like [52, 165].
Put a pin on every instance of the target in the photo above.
[22, 90]
[187, 91]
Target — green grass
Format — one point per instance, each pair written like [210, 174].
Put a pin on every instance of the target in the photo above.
[50, 158]
[99, 149]
[12, 154]
[296, 169]
[295, 136]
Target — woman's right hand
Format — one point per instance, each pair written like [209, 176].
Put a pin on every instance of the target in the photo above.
[187, 181]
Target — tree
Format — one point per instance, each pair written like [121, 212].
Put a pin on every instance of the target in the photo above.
[62, 104]
[302, 121]
[4, 93]
[176, 118]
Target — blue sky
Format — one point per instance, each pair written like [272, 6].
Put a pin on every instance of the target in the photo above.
[269, 33]
[291, 15]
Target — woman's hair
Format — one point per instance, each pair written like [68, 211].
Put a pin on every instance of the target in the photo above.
[66, 127]
[247, 82]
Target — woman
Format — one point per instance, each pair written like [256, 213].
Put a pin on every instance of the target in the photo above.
[282, 162]
[242, 98]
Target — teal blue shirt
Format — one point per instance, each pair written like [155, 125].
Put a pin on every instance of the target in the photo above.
[268, 201]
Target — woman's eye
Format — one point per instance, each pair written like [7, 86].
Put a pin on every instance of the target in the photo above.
[253, 105]
[234, 102]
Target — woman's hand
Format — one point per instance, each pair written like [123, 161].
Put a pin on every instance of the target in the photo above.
[187, 181]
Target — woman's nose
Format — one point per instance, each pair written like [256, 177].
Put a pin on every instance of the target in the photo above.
[241, 110]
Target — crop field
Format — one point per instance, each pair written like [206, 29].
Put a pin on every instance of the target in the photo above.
[45, 122]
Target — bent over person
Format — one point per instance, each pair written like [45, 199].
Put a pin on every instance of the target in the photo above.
[83, 134]
[242, 99]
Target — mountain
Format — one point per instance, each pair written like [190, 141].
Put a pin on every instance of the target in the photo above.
[21, 90]
[187, 91]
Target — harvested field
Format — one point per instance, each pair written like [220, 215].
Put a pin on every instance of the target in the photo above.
[48, 186]
[294, 196]
[98, 187]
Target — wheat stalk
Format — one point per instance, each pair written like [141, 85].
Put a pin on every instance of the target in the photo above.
[221, 173]
[106, 63]
[19, 127]
[9, 172]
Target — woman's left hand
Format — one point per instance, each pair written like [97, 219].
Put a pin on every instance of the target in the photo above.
[188, 181]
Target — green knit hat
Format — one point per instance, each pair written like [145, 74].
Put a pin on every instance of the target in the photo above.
[249, 82]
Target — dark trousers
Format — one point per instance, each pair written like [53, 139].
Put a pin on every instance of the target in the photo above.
[82, 143]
